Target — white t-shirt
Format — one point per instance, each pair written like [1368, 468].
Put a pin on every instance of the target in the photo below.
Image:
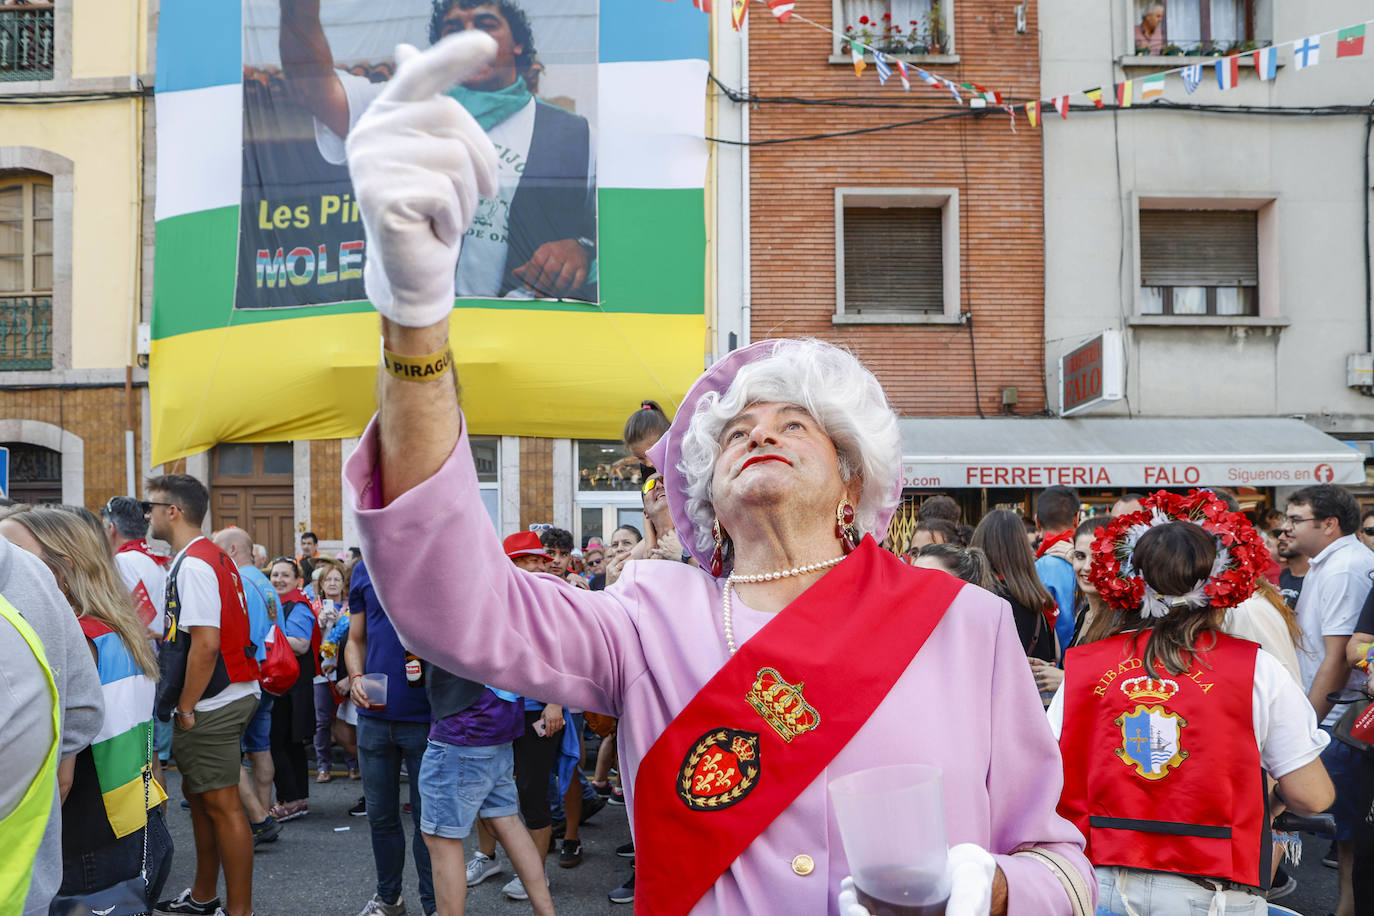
[1285, 724]
[1259, 621]
[138, 568]
[1333, 594]
[482, 260]
[198, 591]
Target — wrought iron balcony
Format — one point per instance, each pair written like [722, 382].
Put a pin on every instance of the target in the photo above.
[26, 42]
[25, 332]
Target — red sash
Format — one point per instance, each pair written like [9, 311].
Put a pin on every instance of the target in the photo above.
[773, 717]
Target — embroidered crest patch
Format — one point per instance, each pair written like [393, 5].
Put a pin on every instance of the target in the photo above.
[1151, 740]
[720, 770]
[782, 705]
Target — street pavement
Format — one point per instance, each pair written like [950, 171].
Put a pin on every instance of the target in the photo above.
[322, 864]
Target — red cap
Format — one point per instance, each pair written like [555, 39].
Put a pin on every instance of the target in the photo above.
[524, 544]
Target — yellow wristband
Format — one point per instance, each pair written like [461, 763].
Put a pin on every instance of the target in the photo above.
[418, 368]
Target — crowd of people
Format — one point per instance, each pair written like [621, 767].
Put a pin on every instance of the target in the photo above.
[205, 656]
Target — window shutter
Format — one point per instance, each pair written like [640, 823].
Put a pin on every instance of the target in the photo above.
[1199, 248]
[893, 260]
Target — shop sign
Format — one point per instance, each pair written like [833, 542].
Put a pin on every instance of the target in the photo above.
[1032, 473]
[1092, 374]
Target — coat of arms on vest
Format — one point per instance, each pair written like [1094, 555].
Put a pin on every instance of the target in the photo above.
[720, 770]
[1151, 736]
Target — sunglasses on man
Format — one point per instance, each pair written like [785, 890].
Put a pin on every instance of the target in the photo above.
[655, 480]
[147, 505]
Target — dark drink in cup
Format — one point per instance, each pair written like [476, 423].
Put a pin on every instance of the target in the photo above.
[899, 890]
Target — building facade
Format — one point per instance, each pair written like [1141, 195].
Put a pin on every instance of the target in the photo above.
[1223, 233]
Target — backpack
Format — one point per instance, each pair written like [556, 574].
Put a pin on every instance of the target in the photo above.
[280, 668]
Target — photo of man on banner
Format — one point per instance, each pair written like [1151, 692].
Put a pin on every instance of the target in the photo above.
[535, 240]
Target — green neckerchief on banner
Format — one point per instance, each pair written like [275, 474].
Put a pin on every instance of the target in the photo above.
[491, 108]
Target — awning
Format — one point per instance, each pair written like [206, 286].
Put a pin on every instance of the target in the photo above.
[939, 453]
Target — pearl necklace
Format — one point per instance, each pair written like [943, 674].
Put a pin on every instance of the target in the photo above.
[725, 610]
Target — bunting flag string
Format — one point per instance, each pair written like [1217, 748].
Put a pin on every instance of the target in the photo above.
[1306, 53]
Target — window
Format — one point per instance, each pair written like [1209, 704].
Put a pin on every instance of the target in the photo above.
[896, 26]
[486, 458]
[896, 254]
[35, 473]
[608, 494]
[26, 272]
[1199, 262]
[26, 41]
[1198, 26]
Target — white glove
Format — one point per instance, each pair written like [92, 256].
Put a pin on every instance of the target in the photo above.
[419, 162]
[969, 869]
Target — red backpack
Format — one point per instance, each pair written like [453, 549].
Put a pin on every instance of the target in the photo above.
[280, 668]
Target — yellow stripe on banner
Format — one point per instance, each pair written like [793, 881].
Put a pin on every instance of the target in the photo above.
[124, 805]
[524, 373]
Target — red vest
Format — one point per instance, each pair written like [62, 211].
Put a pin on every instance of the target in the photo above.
[1164, 773]
[296, 596]
[139, 545]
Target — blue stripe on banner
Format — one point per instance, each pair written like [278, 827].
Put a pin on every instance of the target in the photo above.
[116, 663]
[199, 44]
[634, 30]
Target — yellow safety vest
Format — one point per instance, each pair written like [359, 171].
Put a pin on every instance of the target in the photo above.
[21, 831]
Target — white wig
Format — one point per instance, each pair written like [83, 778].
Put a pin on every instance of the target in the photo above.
[833, 387]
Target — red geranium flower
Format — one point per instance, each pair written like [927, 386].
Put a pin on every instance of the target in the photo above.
[887, 16]
[863, 20]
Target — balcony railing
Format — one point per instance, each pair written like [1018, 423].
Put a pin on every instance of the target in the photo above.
[26, 43]
[25, 332]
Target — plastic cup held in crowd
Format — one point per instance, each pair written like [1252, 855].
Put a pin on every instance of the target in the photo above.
[892, 824]
[374, 688]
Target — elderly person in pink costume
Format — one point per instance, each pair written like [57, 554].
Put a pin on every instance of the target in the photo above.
[800, 650]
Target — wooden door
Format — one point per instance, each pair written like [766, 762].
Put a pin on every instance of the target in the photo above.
[251, 487]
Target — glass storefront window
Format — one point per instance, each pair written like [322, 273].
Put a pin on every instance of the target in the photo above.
[606, 465]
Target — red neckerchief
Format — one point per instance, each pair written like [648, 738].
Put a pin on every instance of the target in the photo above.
[750, 741]
[1051, 539]
[139, 545]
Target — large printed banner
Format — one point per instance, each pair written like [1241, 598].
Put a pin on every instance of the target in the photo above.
[580, 285]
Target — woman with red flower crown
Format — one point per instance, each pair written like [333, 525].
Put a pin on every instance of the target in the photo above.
[1169, 726]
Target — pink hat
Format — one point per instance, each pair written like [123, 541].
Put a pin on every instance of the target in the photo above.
[666, 453]
[524, 544]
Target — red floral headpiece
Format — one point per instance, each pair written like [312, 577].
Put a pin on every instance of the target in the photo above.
[1241, 552]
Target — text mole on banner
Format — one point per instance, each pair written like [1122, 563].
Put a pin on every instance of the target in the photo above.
[1091, 374]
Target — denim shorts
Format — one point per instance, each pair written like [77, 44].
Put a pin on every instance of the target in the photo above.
[1342, 764]
[1163, 894]
[459, 783]
[255, 736]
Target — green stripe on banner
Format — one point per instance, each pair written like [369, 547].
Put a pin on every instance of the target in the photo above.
[651, 250]
[122, 757]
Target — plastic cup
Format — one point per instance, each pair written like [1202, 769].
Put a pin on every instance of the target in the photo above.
[374, 688]
[892, 824]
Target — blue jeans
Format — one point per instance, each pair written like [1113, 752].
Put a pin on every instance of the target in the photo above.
[382, 745]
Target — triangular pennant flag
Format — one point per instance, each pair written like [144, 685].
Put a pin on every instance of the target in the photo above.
[1123, 94]
[1011, 110]
[1267, 62]
[1152, 87]
[927, 78]
[1094, 95]
[1033, 113]
[903, 75]
[857, 55]
[1308, 52]
[954, 91]
[1192, 77]
[1228, 72]
[782, 9]
[1061, 105]
[739, 11]
[1350, 42]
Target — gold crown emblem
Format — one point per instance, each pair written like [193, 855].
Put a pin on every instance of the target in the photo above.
[742, 749]
[782, 705]
[1149, 688]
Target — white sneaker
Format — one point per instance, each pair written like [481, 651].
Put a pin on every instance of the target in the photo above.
[515, 890]
[481, 867]
[375, 907]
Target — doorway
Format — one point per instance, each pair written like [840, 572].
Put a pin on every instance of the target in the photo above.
[251, 486]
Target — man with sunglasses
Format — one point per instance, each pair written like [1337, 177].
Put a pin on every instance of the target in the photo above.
[1321, 521]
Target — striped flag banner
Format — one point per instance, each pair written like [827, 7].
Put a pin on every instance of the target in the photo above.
[902, 74]
[1192, 77]
[1033, 113]
[1094, 96]
[880, 63]
[645, 325]
[1228, 72]
[1123, 93]
[1267, 62]
[782, 9]
[856, 54]
[1061, 105]
[739, 11]
[927, 78]
[954, 91]
[1152, 87]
